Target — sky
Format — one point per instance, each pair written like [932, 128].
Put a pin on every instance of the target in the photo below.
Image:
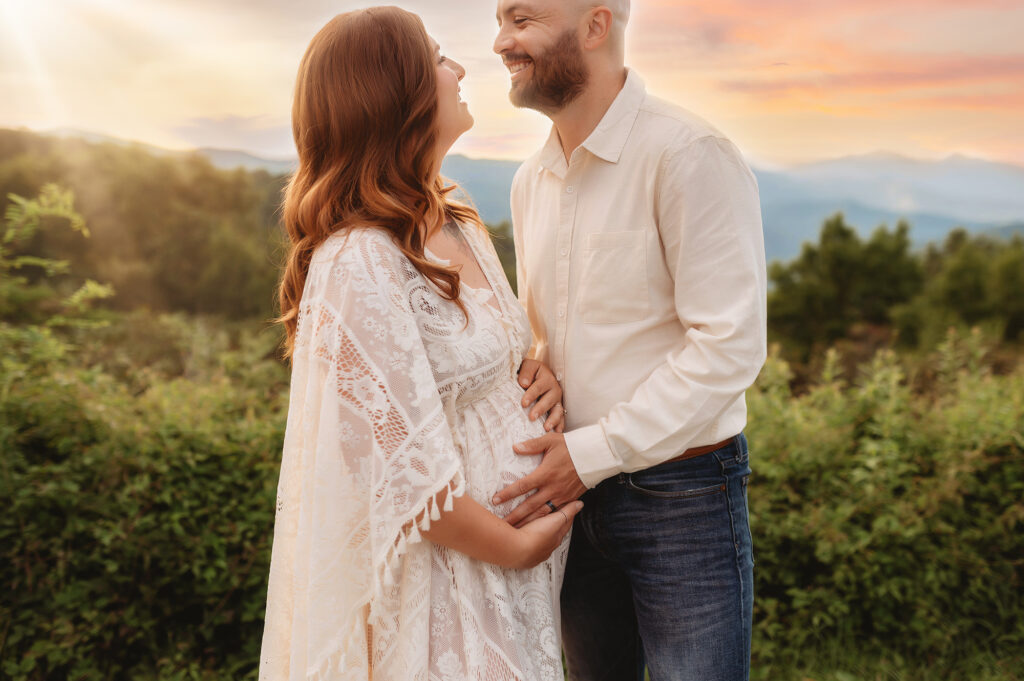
[789, 81]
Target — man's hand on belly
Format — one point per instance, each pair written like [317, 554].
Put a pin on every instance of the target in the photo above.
[555, 480]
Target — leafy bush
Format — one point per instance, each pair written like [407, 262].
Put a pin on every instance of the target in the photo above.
[887, 521]
[138, 494]
[136, 528]
[140, 459]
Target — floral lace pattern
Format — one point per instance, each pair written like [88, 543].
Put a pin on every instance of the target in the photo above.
[396, 403]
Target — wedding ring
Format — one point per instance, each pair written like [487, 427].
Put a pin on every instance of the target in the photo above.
[551, 506]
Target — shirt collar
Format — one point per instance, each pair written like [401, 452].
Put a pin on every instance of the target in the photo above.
[551, 156]
[609, 137]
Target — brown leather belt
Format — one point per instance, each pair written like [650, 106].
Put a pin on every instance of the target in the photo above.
[698, 451]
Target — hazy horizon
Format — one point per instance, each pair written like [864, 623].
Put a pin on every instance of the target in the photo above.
[66, 132]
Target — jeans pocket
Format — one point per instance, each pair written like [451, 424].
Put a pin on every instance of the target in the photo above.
[733, 459]
[670, 491]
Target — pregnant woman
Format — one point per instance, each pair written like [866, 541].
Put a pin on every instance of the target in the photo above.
[389, 561]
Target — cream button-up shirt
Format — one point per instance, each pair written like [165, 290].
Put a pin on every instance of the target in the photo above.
[641, 266]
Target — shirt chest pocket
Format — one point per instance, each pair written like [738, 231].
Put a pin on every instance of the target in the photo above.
[613, 280]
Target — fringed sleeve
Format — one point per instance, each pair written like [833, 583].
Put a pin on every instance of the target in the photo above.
[368, 463]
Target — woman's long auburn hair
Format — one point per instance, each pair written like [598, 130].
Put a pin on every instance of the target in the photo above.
[365, 125]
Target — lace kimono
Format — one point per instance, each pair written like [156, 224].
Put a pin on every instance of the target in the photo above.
[396, 402]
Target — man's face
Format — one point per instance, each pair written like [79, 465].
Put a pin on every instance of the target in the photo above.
[537, 41]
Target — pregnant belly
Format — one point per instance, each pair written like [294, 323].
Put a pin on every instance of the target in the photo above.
[488, 428]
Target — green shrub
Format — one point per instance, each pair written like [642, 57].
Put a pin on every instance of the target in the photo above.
[136, 528]
[887, 521]
[138, 474]
[140, 459]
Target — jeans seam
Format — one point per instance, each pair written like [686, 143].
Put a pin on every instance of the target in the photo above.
[736, 551]
[746, 500]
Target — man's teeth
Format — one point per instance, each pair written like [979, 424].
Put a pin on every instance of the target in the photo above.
[516, 67]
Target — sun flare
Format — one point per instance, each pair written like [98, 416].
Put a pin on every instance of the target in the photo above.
[19, 29]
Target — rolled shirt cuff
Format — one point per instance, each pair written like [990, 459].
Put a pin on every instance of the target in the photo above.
[591, 455]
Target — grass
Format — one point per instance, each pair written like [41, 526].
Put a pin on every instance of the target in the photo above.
[840, 664]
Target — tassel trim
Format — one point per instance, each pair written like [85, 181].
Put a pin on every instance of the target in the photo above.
[411, 532]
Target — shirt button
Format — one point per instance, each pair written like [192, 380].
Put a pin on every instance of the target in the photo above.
[564, 251]
[561, 313]
[559, 376]
[570, 189]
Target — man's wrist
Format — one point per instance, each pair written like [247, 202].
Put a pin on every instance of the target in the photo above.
[591, 455]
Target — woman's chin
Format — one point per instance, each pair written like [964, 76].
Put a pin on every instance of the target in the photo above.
[467, 125]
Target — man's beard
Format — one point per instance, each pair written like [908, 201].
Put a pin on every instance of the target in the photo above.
[559, 76]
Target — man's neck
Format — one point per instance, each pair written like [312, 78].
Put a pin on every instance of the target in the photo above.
[578, 119]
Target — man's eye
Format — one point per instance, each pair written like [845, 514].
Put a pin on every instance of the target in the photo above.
[518, 21]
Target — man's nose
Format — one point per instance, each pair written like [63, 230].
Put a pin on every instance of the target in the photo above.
[503, 41]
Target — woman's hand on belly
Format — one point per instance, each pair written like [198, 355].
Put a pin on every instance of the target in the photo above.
[473, 530]
[543, 535]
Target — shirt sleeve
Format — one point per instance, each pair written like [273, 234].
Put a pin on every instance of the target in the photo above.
[709, 219]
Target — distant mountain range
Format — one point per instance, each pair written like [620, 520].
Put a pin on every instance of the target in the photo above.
[870, 190]
[932, 196]
[227, 159]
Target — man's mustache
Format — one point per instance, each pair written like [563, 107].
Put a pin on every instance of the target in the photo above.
[509, 57]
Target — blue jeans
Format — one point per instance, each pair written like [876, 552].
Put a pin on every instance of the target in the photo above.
[661, 572]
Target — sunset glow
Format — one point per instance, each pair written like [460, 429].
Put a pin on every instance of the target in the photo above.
[788, 80]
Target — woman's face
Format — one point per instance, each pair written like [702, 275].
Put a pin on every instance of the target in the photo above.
[453, 117]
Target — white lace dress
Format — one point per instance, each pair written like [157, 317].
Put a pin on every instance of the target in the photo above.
[395, 399]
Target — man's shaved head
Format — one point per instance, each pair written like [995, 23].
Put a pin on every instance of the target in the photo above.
[619, 8]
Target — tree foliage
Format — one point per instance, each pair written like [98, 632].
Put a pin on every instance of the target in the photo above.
[971, 280]
[844, 283]
[169, 233]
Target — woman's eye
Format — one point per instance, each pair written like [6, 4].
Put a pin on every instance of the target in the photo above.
[442, 60]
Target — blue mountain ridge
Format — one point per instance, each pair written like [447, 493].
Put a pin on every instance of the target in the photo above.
[879, 189]
[933, 196]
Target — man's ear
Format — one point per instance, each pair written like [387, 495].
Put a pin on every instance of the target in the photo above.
[598, 27]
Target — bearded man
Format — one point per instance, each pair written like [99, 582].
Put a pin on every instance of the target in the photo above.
[641, 265]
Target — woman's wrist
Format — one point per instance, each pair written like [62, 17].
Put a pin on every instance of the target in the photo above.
[472, 529]
[518, 548]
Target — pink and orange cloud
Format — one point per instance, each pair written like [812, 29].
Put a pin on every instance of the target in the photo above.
[790, 80]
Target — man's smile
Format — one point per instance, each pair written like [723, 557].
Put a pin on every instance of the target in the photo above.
[517, 66]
